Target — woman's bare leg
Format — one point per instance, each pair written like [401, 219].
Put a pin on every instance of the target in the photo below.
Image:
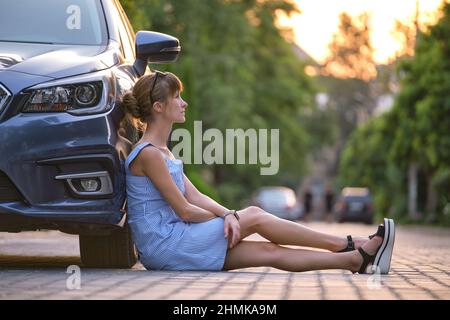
[281, 231]
[256, 254]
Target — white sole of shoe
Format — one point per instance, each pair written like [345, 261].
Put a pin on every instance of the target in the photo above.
[382, 262]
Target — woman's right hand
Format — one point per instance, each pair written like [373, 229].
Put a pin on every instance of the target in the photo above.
[232, 230]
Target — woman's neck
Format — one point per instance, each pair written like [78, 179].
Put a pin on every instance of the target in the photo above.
[157, 133]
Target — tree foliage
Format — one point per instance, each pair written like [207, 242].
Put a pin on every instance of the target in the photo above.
[415, 130]
[351, 49]
[347, 77]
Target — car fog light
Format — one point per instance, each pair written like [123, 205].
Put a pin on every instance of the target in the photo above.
[89, 185]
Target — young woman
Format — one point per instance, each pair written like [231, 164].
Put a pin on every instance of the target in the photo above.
[175, 227]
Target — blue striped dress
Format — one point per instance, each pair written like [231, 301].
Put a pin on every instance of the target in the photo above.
[164, 241]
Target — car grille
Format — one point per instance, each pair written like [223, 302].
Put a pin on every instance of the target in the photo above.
[8, 192]
[4, 97]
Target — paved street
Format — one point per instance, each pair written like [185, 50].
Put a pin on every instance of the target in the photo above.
[33, 265]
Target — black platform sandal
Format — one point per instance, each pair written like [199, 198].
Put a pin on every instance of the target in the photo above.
[367, 258]
[350, 245]
[380, 232]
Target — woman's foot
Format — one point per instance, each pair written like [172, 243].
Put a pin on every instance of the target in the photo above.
[359, 242]
[377, 251]
[370, 247]
[351, 243]
[345, 245]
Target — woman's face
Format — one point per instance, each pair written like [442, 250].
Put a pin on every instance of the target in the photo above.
[175, 109]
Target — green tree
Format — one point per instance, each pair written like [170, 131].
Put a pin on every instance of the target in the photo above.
[364, 163]
[412, 139]
[351, 51]
[348, 77]
[421, 113]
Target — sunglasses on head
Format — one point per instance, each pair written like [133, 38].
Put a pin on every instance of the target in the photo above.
[157, 73]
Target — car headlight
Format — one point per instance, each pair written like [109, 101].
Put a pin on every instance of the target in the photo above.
[73, 95]
[64, 98]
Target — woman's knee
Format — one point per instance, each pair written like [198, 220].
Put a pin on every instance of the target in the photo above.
[253, 215]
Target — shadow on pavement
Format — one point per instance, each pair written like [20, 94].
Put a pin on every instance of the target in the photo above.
[21, 261]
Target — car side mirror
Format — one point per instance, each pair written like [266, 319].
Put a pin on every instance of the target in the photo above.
[155, 47]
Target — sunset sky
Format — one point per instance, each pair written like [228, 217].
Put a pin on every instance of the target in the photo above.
[319, 19]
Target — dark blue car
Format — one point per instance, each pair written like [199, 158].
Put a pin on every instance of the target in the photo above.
[64, 66]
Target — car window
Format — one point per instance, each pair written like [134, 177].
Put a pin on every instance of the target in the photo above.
[52, 21]
[127, 47]
[129, 28]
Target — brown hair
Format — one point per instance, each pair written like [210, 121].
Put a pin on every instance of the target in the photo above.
[137, 104]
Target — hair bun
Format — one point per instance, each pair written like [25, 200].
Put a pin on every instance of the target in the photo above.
[130, 103]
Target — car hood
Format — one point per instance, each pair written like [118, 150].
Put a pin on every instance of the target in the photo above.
[56, 61]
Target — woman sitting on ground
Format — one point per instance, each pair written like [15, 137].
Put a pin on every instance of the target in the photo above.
[175, 227]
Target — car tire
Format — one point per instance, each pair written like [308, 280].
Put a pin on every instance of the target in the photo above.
[116, 250]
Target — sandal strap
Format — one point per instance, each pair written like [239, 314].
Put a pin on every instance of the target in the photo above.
[350, 245]
[367, 258]
[380, 232]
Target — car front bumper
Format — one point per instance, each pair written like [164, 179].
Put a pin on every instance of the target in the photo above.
[38, 150]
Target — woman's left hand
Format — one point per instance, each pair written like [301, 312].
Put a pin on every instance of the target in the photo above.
[232, 230]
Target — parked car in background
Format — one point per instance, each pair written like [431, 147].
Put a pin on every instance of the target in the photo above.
[64, 68]
[354, 204]
[279, 201]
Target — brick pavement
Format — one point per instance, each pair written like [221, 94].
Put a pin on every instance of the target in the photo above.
[33, 266]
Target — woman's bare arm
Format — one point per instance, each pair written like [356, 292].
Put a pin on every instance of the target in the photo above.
[154, 167]
[231, 225]
[201, 200]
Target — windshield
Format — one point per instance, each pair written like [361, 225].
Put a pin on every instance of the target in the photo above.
[52, 21]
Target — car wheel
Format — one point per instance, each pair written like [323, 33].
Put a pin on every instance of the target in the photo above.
[116, 250]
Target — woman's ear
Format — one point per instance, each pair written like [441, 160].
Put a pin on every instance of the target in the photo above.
[158, 106]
